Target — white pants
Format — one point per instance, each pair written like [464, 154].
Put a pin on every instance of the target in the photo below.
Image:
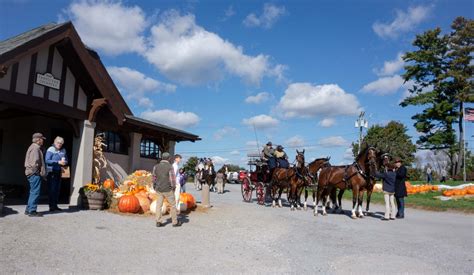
[389, 205]
[177, 192]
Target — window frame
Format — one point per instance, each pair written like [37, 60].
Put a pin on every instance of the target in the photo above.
[110, 139]
[149, 149]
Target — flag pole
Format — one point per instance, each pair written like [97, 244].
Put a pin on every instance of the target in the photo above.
[464, 141]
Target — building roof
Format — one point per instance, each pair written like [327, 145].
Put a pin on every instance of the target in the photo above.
[12, 49]
[180, 135]
[21, 39]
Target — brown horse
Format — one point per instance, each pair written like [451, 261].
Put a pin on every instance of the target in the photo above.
[281, 179]
[356, 176]
[300, 180]
[313, 168]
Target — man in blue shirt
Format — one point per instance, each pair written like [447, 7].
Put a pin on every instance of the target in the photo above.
[55, 158]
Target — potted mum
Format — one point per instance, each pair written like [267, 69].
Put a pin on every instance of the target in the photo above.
[93, 196]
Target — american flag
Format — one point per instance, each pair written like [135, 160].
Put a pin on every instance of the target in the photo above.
[469, 114]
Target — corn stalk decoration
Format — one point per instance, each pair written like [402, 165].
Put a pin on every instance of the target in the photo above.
[99, 160]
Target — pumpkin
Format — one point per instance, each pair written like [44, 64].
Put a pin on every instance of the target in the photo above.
[129, 204]
[164, 208]
[407, 184]
[109, 184]
[462, 192]
[128, 183]
[434, 188]
[470, 191]
[448, 193]
[143, 201]
[188, 199]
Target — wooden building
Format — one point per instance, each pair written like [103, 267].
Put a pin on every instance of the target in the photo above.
[50, 82]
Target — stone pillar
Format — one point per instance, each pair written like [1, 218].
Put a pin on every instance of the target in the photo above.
[205, 195]
[171, 145]
[134, 152]
[81, 170]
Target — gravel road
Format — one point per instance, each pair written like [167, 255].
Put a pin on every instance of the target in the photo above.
[236, 237]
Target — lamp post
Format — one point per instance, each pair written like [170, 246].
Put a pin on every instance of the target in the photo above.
[361, 123]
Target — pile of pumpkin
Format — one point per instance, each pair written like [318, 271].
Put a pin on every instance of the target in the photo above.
[415, 189]
[460, 192]
[136, 195]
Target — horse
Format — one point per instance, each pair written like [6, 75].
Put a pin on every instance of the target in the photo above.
[281, 178]
[198, 176]
[356, 176]
[382, 160]
[313, 168]
[209, 175]
[300, 180]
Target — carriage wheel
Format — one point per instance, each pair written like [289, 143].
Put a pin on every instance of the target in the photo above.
[260, 192]
[246, 190]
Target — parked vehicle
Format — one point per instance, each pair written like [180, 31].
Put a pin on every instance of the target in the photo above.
[233, 177]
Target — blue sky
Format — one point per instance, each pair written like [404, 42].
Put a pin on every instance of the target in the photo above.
[298, 72]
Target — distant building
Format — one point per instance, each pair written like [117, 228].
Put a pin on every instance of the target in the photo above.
[50, 82]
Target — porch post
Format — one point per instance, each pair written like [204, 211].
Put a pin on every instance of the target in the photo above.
[171, 146]
[134, 152]
[82, 160]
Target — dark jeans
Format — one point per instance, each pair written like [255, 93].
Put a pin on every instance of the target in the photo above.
[54, 183]
[429, 179]
[35, 186]
[400, 206]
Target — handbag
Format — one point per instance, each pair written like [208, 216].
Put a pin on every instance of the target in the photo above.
[65, 172]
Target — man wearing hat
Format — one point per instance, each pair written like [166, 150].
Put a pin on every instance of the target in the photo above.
[400, 188]
[164, 182]
[268, 155]
[34, 170]
[282, 157]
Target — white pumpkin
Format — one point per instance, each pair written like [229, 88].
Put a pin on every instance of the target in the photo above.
[164, 208]
[378, 187]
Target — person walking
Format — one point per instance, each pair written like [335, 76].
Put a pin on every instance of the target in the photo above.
[177, 191]
[164, 183]
[400, 188]
[388, 188]
[429, 178]
[35, 170]
[220, 182]
[55, 159]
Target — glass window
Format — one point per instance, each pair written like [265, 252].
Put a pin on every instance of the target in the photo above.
[149, 149]
[115, 143]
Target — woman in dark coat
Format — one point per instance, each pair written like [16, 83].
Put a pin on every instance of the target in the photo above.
[400, 188]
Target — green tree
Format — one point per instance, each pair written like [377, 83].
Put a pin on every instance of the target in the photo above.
[392, 139]
[234, 168]
[441, 72]
[190, 165]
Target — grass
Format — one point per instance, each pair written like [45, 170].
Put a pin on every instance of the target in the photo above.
[427, 200]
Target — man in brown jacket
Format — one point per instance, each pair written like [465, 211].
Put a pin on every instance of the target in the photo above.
[34, 170]
[165, 183]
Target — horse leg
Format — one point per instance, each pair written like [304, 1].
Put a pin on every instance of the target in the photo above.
[274, 190]
[325, 199]
[355, 193]
[369, 194]
[314, 199]
[339, 199]
[333, 198]
[305, 206]
[359, 202]
[318, 198]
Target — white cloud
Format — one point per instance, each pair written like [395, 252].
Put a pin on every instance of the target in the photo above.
[271, 13]
[217, 160]
[258, 98]
[334, 141]
[307, 100]
[384, 85]
[226, 131]
[228, 13]
[261, 122]
[404, 22]
[391, 67]
[136, 85]
[251, 143]
[135, 81]
[186, 52]
[172, 118]
[234, 153]
[348, 154]
[109, 26]
[327, 122]
[295, 141]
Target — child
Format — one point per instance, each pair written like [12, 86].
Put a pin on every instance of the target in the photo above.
[182, 180]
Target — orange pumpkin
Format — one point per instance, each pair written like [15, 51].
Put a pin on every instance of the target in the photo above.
[470, 191]
[447, 193]
[129, 204]
[188, 199]
[109, 184]
[462, 192]
[434, 188]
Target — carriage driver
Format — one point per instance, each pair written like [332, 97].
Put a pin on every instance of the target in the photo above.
[281, 157]
[268, 155]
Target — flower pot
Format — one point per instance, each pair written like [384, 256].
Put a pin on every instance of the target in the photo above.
[93, 200]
